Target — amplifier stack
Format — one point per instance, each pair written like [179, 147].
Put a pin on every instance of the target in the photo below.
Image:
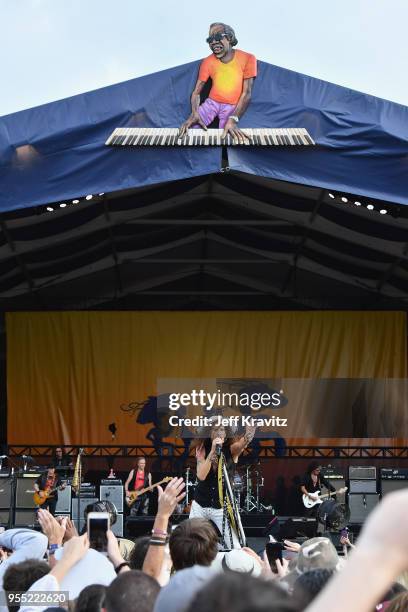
[112, 490]
[393, 479]
[363, 494]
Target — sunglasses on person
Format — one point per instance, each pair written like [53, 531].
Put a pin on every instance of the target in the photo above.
[217, 37]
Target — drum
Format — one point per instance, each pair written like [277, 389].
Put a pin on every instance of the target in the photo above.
[237, 483]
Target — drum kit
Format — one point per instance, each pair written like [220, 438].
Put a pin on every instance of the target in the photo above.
[246, 486]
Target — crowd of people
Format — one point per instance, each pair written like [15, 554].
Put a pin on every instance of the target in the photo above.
[181, 568]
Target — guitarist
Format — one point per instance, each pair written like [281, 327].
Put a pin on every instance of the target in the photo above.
[312, 483]
[138, 479]
[45, 483]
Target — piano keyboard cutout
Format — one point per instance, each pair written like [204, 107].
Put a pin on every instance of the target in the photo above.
[168, 137]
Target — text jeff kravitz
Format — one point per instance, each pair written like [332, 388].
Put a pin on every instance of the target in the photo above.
[230, 421]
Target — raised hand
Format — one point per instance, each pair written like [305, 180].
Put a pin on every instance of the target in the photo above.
[53, 529]
[170, 497]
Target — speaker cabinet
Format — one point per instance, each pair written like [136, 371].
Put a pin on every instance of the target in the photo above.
[117, 528]
[363, 486]
[25, 492]
[64, 501]
[83, 503]
[25, 518]
[338, 483]
[112, 493]
[139, 526]
[361, 504]
[4, 517]
[388, 486]
[5, 493]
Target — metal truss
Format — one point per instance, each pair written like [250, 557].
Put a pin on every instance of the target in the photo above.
[292, 452]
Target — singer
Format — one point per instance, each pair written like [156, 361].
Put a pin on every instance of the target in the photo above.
[206, 502]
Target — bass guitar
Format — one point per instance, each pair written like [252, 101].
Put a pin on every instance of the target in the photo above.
[319, 498]
[132, 496]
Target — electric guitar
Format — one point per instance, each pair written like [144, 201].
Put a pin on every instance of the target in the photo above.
[309, 503]
[40, 500]
[132, 496]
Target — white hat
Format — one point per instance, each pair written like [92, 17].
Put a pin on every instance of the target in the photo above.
[237, 560]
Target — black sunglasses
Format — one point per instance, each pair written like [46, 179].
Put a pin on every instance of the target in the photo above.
[217, 37]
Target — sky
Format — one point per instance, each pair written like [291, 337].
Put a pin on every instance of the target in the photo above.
[52, 49]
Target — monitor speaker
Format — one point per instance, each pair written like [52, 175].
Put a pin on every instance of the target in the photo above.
[25, 518]
[25, 492]
[5, 493]
[64, 501]
[112, 493]
[361, 504]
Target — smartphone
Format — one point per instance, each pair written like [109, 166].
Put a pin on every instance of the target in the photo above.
[274, 552]
[98, 525]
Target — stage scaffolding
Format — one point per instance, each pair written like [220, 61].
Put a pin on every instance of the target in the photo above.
[290, 452]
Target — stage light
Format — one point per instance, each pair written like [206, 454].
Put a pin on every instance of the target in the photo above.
[383, 211]
[357, 203]
[103, 193]
[344, 199]
[50, 208]
[75, 201]
[331, 195]
[370, 207]
[89, 197]
[62, 205]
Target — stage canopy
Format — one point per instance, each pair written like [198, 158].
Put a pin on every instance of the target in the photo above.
[201, 227]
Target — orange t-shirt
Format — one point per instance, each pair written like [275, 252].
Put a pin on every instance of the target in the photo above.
[227, 79]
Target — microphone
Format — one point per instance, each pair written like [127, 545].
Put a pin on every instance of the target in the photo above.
[218, 448]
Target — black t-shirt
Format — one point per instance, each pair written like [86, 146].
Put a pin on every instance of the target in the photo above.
[206, 493]
[312, 487]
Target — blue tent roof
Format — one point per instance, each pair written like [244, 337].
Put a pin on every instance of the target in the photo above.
[56, 151]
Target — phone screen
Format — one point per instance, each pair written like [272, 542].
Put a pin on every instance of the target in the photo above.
[274, 551]
[97, 528]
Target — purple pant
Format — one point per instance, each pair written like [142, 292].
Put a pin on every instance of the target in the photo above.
[210, 109]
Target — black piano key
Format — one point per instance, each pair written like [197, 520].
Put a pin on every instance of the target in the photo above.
[309, 140]
[279, 139]
[258, 140]
[298, 139]
[286, 139]
[167, 140]
[156, 140]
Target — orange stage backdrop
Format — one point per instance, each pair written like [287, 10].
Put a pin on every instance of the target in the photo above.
[68, 373]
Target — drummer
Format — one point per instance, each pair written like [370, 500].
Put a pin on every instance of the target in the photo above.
[311, 484]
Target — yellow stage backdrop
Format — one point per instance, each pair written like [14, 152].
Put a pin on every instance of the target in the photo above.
[68, 373]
